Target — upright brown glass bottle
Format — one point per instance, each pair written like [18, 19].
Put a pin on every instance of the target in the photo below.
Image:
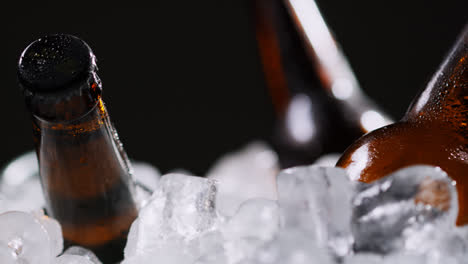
[83, 168]
[434, 131]
[320, 107]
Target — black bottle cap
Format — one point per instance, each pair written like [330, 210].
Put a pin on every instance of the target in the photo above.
[54, 63]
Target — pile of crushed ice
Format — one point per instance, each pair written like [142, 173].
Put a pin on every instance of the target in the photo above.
[244, 213]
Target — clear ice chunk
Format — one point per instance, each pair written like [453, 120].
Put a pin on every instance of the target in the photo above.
[408, 210]
[80, 251]
[245, 174]
[180, 211]
[23, 239]
[317, 200]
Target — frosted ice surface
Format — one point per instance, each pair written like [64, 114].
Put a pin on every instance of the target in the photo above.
[23, 239]
[406, 210]
[256, 222]
[257, 218]
[20, 187]
[317, 200]
[54, 232]
[291, 247]
[320, 216]
[213, 258]
[146, 178]
[399, 258]
[403, 258]
[328, 160]
[72, 259]
[20, 169]
[245, 174]
[363, 258]
[83, 252]
[146, 174]
[181, 209]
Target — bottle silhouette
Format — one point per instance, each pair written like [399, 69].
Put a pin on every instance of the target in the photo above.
[83, 168]
[433, 131]
[319, 106]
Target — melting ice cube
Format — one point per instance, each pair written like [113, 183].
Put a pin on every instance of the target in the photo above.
[317, 200]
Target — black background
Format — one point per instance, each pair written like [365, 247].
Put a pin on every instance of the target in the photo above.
[182, 79]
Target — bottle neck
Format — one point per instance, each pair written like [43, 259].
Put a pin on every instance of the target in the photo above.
[65, 144]
[287, 67]
[94, 119]
[300, 55]
[67, 104]
[446, 96]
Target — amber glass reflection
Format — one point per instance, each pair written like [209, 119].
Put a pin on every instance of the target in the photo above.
[320, 107]
[433, 131]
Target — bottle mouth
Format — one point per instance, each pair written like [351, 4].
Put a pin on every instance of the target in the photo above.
[54, 63]
[57, 74]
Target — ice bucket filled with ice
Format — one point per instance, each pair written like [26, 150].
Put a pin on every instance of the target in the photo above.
[339, 181]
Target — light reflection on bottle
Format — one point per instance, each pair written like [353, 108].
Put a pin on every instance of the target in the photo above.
[300, 120]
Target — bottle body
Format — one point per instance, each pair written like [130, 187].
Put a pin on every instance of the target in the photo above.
[434, 131]
[85, 179]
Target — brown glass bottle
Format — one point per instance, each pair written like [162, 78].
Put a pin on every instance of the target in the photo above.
[434, 131]
[83, 168]
[319, 105]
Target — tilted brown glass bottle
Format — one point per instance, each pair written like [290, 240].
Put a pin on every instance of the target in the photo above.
[83, 168]
[434, 131]
[320, 107]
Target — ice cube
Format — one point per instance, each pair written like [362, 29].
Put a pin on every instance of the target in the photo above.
[363, 258]
[54, 232]
[146, 178]
[240, 249]
[20, 170]
[257, 218]
[408, 209]
[181, 209]
[24, 239]
[328, 160]
[20, 185]
[80, 251]
[256, 222]
[146, 175]
[72, 259]
[404, 258]
[317, 200]
[291, 247]
[246, 174]
[213, 258]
